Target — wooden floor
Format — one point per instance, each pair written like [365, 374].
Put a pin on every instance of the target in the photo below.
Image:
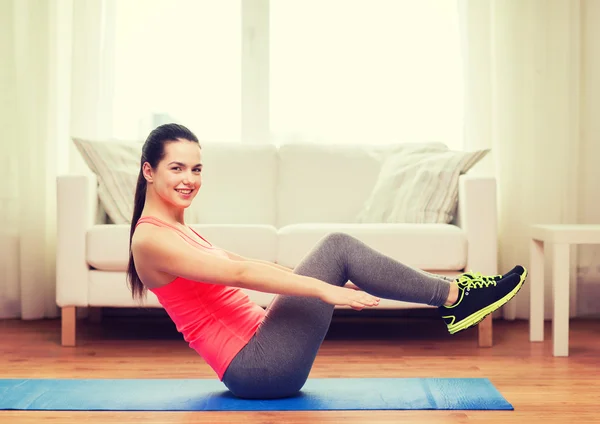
[542, 388]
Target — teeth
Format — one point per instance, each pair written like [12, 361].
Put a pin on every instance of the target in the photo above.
[184, 191]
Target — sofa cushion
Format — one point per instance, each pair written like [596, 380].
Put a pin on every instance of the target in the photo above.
[432, 247]
[324, 183]
[116, 165]
[238, 187]
[418, 186]
[328, 183]
[107, 246]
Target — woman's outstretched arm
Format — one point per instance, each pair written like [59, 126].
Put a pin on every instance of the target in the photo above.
[236, 257]
[162, 250]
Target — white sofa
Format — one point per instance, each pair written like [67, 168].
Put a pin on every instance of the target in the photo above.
[271, 203]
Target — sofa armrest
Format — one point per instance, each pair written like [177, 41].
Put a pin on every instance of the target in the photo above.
[477, 215]
[77, 203]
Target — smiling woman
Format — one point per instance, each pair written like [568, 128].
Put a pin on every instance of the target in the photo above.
[258, 353]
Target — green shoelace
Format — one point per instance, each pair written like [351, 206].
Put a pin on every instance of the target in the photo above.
[476, 280]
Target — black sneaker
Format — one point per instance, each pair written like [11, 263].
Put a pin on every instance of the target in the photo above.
[479, 296]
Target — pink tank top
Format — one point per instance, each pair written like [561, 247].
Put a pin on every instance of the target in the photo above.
[217, 321]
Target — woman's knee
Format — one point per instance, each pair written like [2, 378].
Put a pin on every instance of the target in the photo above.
[336, 239]
[333, 246]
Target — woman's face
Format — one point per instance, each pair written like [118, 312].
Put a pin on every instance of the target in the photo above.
[178, 176]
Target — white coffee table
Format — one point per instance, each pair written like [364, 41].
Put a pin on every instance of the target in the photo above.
[561, 237]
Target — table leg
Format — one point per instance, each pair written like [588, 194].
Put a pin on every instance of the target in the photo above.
[536, 287]
[560, 286]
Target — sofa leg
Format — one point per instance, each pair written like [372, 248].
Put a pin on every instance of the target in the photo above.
[485, 332]
[68, 325]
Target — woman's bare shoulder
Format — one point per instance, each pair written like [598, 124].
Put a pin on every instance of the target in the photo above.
[152, 243]
[147, 235]
[149, 247]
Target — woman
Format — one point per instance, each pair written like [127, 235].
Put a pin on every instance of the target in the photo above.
[258, 353]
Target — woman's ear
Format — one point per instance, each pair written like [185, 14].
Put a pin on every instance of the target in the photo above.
[147, 171]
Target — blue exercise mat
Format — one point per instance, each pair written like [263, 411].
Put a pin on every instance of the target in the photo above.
[211, 395]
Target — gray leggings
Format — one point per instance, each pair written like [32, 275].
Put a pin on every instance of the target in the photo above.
[278, 358]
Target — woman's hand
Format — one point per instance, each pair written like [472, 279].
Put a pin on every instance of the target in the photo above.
[342, 296]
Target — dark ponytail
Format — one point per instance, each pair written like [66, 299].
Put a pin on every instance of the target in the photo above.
[138, 290]
[153, 152]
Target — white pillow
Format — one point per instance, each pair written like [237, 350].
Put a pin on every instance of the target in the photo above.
[418, 186]
[116, 165]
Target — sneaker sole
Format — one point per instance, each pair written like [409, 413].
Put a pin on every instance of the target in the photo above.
[478, 316]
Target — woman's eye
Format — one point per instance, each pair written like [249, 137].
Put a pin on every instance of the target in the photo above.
[177, 168]
[197, 170]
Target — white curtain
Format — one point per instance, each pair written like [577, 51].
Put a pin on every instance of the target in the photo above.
[29, 74]
[46, 51]
[525, 67]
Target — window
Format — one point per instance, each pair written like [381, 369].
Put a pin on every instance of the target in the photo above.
[177, 60]
[365, 71]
